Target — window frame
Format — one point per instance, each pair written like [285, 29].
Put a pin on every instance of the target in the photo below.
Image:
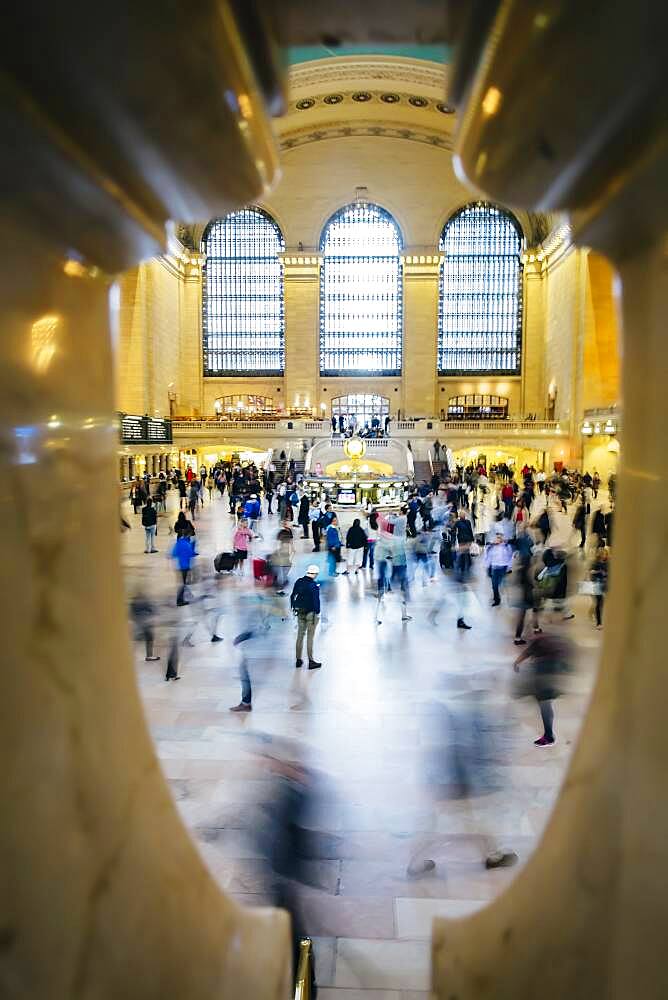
[393, 371]
[241, 371]
[455, 371]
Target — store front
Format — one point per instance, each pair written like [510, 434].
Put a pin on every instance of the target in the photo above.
[490, 456]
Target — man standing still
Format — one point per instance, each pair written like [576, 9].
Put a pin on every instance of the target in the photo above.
[305, 602]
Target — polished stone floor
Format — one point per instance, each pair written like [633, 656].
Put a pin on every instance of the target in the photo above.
[366, 721]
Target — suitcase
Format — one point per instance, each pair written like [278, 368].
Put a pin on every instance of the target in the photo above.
[225, 562]
[262, 572]
[445, 558]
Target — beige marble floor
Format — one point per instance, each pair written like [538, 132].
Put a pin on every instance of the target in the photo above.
[372, 717]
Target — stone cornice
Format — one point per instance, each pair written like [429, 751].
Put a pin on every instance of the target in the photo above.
[346, 129]
[421, 266]
[184, 265]
[383, 70]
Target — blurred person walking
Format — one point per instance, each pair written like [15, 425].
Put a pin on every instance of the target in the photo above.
[464, 762]
[142, 612]
[549, 658]
[598, 575]
[368, 558]
[183, 554]
[183, 527]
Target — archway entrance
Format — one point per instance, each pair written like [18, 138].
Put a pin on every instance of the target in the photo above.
[364, 406]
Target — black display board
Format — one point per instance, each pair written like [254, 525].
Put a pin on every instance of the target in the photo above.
[144, 430]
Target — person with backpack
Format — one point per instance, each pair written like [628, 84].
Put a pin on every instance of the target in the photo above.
[323, 522]
[305, 603]
[149, 520]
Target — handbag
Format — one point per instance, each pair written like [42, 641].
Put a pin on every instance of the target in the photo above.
[474, 549]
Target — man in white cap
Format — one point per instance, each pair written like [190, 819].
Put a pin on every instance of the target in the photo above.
[305, 602]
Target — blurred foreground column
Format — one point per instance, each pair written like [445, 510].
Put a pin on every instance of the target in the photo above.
[102, 892]
[553, 122]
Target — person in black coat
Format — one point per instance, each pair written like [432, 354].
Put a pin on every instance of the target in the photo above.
[303, 516]
[149, 520]
[355, 542]
[465, 538]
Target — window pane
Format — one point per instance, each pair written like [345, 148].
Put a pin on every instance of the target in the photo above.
[243, 324]
[480, 301]
[361, 293]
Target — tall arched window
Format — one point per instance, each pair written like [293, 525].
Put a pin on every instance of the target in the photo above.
[243, 321]
[480, 301]
[360, 293]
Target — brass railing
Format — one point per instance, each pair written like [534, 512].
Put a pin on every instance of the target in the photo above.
[304, 970]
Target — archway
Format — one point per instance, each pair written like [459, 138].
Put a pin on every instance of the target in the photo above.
[364, 406]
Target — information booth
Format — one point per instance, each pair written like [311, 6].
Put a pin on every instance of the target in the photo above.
[359, 472]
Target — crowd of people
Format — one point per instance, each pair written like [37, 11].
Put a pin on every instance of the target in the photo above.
[461, 515]
[537, 539]
[349, 424]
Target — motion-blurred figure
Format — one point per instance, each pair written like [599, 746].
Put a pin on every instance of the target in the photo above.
[598, 574]
[142, 612]
[289, 835]
[464, 763]
[549, 658]
[183, 554]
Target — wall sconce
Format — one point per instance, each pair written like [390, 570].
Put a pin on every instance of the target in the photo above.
[609, 427]
[587, 429]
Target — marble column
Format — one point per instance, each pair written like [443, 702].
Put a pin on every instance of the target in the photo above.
[105, 894]
[586, 917]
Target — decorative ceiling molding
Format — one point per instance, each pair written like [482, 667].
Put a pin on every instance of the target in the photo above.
[398, 71]
[346, 130]
[405, 100]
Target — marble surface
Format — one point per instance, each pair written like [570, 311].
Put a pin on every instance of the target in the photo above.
[592, 902]
[103, 893]
[369, 722]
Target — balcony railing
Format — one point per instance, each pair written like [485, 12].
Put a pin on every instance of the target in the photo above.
[446, 429]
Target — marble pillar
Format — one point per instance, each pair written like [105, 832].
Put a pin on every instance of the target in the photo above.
[103, 893]
[586, 917]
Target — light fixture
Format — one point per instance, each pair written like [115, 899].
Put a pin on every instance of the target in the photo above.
[587, 429]
[491, 102]
[609, 427]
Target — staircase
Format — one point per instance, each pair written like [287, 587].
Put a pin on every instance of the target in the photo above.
[422, 471]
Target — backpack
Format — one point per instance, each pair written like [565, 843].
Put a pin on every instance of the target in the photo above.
[297, 597]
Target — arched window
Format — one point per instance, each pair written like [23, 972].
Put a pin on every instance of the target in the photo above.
[480, 300]
[360, 293]
[243, 321]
